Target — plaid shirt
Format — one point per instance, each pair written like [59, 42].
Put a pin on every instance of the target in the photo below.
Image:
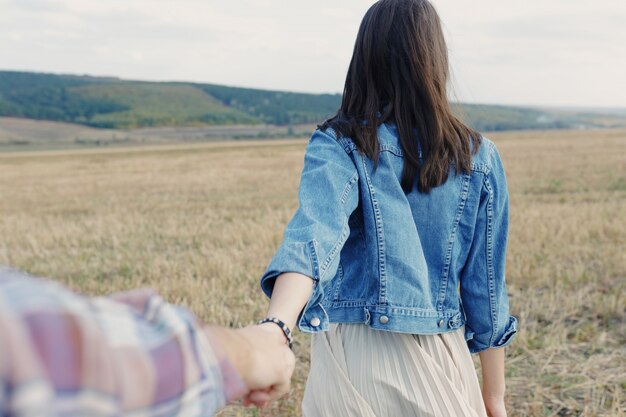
[131, 354]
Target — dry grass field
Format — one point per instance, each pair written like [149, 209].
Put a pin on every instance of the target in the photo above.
[19, 134]
[200, 223]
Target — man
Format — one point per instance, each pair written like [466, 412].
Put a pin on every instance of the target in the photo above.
[62, 353]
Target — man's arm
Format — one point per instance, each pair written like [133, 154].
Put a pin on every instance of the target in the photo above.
[130, 352]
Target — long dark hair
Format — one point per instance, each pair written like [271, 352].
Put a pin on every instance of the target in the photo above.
[399, 72]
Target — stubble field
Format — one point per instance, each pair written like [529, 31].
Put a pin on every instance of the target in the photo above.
[200, 223]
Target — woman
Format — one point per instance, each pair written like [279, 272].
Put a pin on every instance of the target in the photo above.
[395, 257]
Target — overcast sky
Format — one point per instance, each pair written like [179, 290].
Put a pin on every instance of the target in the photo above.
[541, 52]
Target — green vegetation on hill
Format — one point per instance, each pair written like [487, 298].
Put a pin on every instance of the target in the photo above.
[50, 97]
[155, 104]
[115, 103]
[111, 103]
[276, 107]
[489, 118]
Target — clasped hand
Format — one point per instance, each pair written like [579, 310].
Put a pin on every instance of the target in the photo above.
[262, 358]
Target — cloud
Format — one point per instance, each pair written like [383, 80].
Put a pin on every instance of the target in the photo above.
[556, 52]
[33, 6]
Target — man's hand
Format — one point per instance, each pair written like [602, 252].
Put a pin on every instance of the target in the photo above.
[262, 358]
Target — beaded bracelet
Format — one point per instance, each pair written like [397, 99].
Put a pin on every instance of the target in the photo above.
[282, 326]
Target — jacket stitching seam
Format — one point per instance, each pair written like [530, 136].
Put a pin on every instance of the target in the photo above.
[348, 187]
[392, 149]
[339, 281]
[314, 260]
[490, 267]
[343, 142]
[382, 296]
[451, 241]
[335, 250]
[488, 165]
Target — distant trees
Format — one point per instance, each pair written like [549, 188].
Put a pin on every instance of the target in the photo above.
[276, 107]
[50, 97]
[115, 103]
[70, 99]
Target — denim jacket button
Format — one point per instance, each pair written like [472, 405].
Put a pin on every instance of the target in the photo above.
[441, 323]
[384, 319]
[315, 321]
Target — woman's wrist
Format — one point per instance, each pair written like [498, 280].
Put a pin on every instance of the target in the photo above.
[290, 295]
[492, 364]
[493, 396]
[277, 323]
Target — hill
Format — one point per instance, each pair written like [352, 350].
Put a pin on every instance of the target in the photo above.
[116, 103]
[123, 104]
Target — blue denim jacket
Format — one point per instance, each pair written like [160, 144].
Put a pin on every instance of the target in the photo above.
[411, 263]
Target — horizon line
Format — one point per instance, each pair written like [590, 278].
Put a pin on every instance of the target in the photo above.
[595, 107]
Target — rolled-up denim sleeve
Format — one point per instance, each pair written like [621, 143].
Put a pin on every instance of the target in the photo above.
[328, 194]
[483, 287]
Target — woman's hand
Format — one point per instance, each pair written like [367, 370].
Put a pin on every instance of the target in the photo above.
[272, 361]
[495, 406]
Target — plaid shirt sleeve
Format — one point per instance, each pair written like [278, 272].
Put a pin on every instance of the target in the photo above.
[63, 354]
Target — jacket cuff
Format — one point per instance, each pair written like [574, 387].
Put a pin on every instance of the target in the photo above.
[314, 318]
[293, 257]
[505, 338]
[300, 257]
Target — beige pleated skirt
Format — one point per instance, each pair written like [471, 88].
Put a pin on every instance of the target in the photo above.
[361, 372]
